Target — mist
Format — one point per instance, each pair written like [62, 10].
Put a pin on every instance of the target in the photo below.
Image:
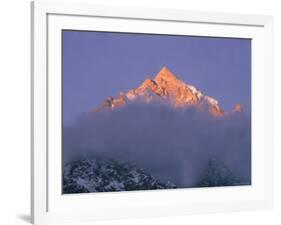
[171, 144]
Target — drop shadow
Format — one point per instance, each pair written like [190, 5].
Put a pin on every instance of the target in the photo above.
[25, 218]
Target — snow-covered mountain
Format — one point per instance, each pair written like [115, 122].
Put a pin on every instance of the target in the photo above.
[94, 175]
[106, 175]
[86, 176]
[168, 88]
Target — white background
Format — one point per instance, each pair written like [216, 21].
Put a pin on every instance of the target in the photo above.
[15, 109]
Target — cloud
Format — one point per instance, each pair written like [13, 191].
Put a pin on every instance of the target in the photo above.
[172, 144]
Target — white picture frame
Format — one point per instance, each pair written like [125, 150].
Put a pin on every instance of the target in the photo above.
[47, 203]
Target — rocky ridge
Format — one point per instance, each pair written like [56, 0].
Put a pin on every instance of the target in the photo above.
[168, 88]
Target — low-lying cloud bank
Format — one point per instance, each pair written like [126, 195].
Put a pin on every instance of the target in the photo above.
[171, 144]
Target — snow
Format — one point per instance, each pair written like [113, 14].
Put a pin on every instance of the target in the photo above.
[210, 100]
[195, 91]
[130, 96]
[192, 88]
[104, 175]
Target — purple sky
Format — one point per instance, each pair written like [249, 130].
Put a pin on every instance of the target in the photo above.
[99, 64]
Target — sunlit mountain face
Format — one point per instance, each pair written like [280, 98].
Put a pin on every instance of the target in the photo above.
[167, 88]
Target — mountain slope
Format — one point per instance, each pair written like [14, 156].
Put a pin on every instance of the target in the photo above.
[166, 87]
[107, 175]
[217, 174]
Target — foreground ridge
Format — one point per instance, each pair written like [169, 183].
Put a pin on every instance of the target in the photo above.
[92, 175]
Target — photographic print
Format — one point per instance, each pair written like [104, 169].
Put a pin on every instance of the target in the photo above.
[154, 111]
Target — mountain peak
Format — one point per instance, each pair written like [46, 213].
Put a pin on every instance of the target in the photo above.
[165, 74]
[168, 88]
[238, 108]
